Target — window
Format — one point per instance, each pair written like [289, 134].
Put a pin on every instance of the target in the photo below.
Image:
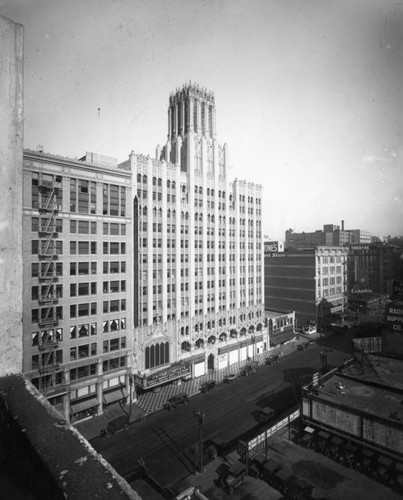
[83, 351]
[34, 293]
[83, 289]
[73, 268]
[114, 229]
[93, 228]
[35, 224]
[114, 344]
[114, 267]
[34, 247]
[114, 306]
[34, 270]
[73, 247]
[157, 355]
[105, 228]
[83, 310]
[83, 247]
[114, 248]
[83, 227]
[83, 268]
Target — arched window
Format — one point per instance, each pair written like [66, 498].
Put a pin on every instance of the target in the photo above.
[138, 177]
[199, 343]
[156, 355]
[154, 181]
[168, 183]
[185, 347]
[144, 179]
[159, 182]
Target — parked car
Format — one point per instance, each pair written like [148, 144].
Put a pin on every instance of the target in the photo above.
[177, 400]
[265, 414]
[230, 378]
[233, 477]
[249, 369]
[208, 386]
[215, 447]
[302, 347]
[271, 360]
[115, 425]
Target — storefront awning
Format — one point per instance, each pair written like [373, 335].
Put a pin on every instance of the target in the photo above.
[116, 395]
[83, 405]
[281, 339]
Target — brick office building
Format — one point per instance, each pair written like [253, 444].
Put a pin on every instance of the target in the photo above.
[77, 273]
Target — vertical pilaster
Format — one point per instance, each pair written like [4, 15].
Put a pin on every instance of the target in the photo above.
[150, 264]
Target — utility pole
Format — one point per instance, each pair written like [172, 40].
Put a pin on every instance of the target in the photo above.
[198, 420]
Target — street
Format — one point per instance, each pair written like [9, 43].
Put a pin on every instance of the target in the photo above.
[165, 439]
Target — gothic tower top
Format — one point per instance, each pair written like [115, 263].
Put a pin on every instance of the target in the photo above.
[191, 109]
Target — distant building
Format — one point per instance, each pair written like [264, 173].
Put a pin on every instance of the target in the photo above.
[304, 240]
[330, 235]
[311, 282]
[281, 326]
[373, 267]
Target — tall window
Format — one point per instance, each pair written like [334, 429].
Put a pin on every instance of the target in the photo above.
[157, 355]
[114, 200]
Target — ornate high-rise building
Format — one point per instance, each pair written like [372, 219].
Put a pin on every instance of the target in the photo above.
[197, 271]
[146, 271]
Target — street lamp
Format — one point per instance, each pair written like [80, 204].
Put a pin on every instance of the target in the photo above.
[253, 340]
[131, 381]
[198, 420]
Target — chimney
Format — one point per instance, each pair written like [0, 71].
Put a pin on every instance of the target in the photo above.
[342, 225]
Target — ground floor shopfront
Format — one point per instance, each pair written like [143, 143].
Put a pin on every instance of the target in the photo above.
[205, 360]
[88, 390]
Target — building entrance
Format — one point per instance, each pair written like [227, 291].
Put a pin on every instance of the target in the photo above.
[210, 362]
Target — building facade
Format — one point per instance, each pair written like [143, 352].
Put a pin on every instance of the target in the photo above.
[330, 235]
[77, 276]
[198, 251]
[311, 282]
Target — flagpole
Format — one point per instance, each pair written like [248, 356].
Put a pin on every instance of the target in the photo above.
[99, 119]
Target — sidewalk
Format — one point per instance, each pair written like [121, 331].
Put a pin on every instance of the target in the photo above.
[150, 401]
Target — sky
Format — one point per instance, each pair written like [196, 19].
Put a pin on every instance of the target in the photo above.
[309, 94]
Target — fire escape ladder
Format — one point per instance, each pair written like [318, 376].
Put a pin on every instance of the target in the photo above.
[47, 252]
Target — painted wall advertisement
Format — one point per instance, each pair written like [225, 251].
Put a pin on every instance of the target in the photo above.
[393, 337]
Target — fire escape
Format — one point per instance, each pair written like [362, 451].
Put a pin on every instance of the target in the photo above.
[47, 298]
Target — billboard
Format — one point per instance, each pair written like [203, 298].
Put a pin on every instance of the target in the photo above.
[393, 337]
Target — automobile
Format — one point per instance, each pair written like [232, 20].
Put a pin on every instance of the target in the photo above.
[177, 400]
[302, 347]
[117, 424]
[215, 447]
[228, 379]
[271, 360]
[208, 386]
[233, 477]
[248, 369]
[265, 414]
[309, 330]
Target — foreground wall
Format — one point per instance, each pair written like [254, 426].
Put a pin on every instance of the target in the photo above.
[11, 144]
